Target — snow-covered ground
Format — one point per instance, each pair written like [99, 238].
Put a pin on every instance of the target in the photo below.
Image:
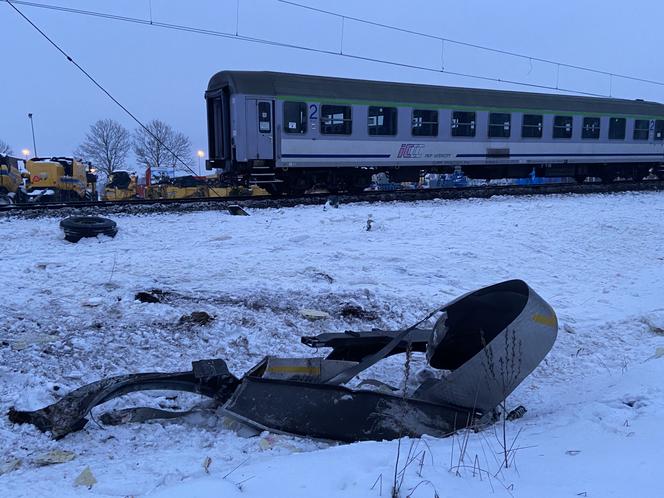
[595, 405]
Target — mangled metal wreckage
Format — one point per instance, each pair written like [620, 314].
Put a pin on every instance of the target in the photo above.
[488, 341]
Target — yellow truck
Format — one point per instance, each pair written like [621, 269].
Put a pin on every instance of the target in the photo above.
[11, 182]
[59, 179]
[121, 186]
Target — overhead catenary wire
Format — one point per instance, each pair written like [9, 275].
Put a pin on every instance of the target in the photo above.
[473, 45]
[98, 85]
[346, 54]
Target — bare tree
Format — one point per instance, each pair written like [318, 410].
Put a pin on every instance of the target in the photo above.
[163, 147]
[106, 146]
[5, 148]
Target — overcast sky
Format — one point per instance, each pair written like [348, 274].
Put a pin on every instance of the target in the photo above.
[161, 73]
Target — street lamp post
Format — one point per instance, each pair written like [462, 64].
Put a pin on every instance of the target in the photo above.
[32, 125]
[200, 155]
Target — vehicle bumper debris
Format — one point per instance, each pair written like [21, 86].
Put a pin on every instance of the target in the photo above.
[488, 341]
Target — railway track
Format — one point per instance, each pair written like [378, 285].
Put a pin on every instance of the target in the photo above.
[198, 204]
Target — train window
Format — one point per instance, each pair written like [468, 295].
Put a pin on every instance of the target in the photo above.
[659, 129]
[562, 127]
[295, 117]
[382, 120]
[590, 128]
[499, 124]
[463, 124]
[336, 120]
[641, 129]
[425, 123]
[617, 128]
[264, 117]
[532, 126]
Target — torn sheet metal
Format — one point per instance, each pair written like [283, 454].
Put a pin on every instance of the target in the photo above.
[488, 340]
[335, 412]
[299, 369]
[491, 342]
[209, 378]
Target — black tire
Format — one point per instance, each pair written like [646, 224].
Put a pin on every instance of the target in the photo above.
[77, 227]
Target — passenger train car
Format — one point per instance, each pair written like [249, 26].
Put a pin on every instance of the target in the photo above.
[291, 132]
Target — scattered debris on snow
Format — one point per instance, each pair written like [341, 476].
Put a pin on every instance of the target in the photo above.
[10, 466]
[197, 318]
[86, 478]
[54, 457]
[146, 297]
[314, 315]
[25, 341]
[250, 276]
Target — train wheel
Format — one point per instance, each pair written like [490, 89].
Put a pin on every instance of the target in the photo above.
[579, 179]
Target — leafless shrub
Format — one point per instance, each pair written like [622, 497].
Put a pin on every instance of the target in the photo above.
[505, 371]
[414, 456]
[5, 149]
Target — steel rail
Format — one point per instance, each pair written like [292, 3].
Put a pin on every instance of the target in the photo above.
[261, 202]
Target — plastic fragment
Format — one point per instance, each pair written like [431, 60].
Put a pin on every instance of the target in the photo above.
[25, 341]
[10, 466]
[267, 442]
[86, 478]
[54, 457]
[313, 315]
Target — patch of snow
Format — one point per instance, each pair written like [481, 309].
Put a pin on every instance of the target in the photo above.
[594, 405]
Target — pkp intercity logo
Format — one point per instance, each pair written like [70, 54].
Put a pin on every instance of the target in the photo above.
[410, 151]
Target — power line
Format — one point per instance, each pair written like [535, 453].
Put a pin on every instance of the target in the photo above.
[98, 85]
[222, 34]
[473, 45]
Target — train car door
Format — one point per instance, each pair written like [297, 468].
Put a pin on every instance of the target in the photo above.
[260, 113]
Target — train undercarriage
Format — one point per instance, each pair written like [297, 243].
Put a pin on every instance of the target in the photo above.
[356, 179]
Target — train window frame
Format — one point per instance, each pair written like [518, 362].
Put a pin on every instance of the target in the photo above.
[388, 126]
[336, 125]
[300, 126]
[617, 133]
[641, 133]
[591, 128]
[537, 129]
[563, 127]
[659, 129]
[424, 125]
[462, 124]
[500, 125]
